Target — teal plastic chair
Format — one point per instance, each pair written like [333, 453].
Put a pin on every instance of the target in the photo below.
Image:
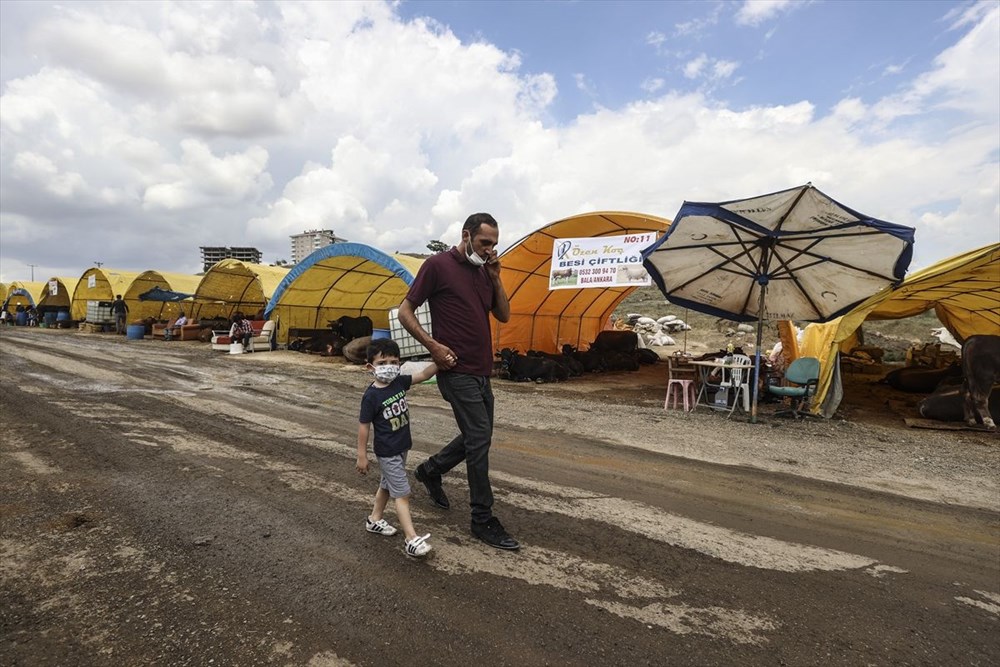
[804, 373]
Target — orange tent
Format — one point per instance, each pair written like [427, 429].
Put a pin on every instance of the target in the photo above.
[546, 320]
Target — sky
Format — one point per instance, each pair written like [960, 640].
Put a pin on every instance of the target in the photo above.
[131, 133]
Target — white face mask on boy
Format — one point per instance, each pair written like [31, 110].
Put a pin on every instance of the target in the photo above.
[386, 373]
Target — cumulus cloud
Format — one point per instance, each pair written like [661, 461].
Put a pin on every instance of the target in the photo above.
[756, 12]
[202, 91]
[158, 128]
[699, 25]
[892, 70]
[693, 68]
[723, 69]
[43, 173]
[202, 178]
[357, 194]
[653, 84]
[583, 84]
[710, 69]
[963, 78]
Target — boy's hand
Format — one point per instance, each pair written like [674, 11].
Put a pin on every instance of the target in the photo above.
[362, 465]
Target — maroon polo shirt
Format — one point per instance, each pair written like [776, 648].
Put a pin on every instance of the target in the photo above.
[460, 297]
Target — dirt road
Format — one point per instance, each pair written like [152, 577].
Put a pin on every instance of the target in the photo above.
[164, 504]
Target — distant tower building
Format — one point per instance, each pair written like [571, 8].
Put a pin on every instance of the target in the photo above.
[212, 254]
[305, 243]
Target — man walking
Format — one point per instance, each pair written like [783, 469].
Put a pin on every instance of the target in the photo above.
[120, 310]
[462, 287]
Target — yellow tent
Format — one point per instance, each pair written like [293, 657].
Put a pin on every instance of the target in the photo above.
[24, 293]
[964, 292]
[341, 279]
[232, 285]
[99, 284]
[3, 292]
[174, 282]
[546, 320]
[63, 297]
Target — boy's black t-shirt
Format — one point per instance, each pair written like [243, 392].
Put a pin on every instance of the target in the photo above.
[385, 409]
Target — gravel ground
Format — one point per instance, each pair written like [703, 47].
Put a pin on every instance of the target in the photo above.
[163, 504]
[867, 444]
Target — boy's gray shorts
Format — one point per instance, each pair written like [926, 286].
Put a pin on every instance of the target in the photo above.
[394, 475]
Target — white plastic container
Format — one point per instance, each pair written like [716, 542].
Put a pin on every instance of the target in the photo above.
[408, 345]
[99, 312]
[236, 348]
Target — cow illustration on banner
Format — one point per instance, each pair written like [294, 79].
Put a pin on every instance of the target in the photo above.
[603, 261]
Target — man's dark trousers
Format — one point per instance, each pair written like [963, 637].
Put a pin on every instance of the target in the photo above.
[471, 399]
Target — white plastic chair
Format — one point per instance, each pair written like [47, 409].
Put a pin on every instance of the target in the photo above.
[738, 381]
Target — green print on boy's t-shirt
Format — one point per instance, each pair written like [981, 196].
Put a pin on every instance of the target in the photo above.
[394, 411]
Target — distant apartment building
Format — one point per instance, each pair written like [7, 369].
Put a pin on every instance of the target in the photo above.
[305, 243]
[212, 254]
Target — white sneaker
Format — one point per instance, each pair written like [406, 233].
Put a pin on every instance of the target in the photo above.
[380, 527]
[417, 547]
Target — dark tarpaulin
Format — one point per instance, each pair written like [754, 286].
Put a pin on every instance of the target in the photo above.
[160, 294]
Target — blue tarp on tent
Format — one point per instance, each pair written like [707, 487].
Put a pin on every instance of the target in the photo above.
[160, 294]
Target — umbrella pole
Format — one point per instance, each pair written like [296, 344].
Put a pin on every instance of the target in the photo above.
[685, 331]
[756, 373]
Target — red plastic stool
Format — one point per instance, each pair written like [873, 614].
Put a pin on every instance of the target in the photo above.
[678, 391]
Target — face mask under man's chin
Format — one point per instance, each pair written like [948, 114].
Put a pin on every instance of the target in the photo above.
[475, 259]
[473, 256]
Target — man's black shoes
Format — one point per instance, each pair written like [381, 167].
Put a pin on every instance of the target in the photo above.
[433, 485]
[493, 533]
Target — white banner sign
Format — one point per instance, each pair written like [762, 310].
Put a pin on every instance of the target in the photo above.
[604, 261]
[92, 280]
[53, 288]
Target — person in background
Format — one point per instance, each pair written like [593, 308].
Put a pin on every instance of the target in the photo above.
[119, 309]
[241, 331]
[174, 330]
[463, 287]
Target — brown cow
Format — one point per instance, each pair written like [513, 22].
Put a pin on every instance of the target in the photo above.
[980, 369]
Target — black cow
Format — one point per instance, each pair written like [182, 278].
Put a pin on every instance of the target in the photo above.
[647, 356]
[349, 328]
[980, 371]
[573, 367]
[616, 341]
[947, 403]
[918, 380]
[517, 367]
[621, 361]
[591, 360]
[326, 343]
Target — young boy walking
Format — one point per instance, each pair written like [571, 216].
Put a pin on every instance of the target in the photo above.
[383, 407]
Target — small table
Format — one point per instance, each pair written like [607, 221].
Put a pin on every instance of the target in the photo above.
[705, 369]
